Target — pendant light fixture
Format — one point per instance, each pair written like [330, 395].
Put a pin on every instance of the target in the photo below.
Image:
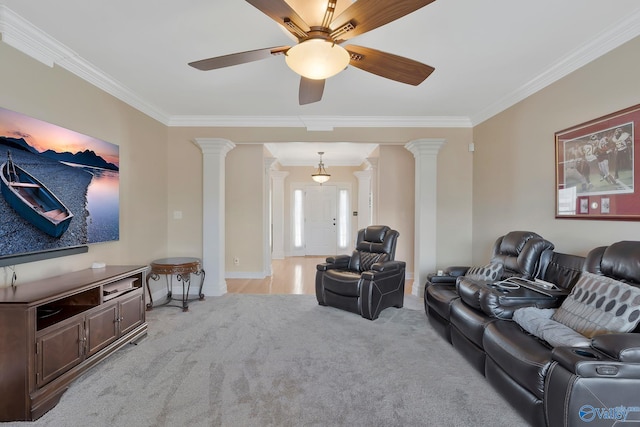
[321, 176]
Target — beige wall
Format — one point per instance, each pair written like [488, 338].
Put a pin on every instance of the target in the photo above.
[162, 173]
[396, 169]
[454, 198]
[244, 206]
[507, 184]
[514, 181]
[58, 97]
[396, 198]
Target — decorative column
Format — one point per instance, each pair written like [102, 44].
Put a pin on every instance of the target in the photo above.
[268, 162]
[277, 208]
[364, 198]
[214, 151]
[425, 152]
[373, 161]
[267, 217]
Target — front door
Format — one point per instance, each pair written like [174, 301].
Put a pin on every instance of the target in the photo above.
[320, 219]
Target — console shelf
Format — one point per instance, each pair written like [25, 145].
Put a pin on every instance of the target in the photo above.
[54, 329]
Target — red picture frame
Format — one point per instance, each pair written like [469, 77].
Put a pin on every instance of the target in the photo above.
[595, 168]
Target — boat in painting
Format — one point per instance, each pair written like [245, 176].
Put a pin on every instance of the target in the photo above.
[33, 201]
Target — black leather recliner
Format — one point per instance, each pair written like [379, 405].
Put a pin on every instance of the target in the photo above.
[568, 386]
[369, 280]
[585, 386]
[563, 386]
[518, 251]
[517, 363]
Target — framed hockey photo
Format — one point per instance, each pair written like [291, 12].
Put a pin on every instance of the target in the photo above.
[595, 168]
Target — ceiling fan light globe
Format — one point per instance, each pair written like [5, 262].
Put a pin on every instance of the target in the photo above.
[317, 59]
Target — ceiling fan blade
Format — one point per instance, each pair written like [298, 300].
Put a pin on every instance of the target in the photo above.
[310, 90]
[283, 14]
[387, 65]
[366, 15]
[238, 58]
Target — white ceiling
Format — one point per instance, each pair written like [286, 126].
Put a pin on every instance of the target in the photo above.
[334, 153]
[488, 55]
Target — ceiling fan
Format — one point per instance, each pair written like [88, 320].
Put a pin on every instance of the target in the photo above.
[318, 54]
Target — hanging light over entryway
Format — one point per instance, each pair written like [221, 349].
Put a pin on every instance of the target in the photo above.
[321, 176]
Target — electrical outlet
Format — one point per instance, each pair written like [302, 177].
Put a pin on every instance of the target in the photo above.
[236, 261]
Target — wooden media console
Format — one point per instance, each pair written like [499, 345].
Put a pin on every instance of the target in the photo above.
[53, 330]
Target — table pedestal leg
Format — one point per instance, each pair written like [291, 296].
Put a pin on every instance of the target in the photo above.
[201, 274]
[186, 281]
[153, 276]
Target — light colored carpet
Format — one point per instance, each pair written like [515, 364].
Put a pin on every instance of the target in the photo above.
[282, 360]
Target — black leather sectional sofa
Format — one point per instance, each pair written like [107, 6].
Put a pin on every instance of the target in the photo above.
[552, 375]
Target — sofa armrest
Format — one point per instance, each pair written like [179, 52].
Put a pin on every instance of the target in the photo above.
[584, 378]
[622, 347]
[469, 291]
[380, 270]
[587, 362]
[444, 278]
[388, 265]
[456, 270]
[335, 262]
[449, 275]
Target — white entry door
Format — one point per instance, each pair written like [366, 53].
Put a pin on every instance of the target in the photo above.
[320, 219]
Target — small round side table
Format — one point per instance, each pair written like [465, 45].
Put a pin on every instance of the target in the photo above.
[182, 268]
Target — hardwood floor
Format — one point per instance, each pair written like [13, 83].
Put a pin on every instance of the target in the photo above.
[293, 275]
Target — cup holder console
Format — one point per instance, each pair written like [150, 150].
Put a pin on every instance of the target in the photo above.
[584, 353]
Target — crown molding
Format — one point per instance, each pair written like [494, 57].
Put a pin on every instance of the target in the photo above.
[320, 123]
[607, 40]
[20, 34]
[30, 40]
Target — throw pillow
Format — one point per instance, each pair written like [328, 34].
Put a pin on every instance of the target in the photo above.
[487, 273]
[599, 305]
[538, 322]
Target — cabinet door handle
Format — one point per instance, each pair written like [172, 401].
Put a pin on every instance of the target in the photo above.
[83, 345]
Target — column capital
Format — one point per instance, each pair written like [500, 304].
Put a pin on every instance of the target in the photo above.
[218, 146]
[372, 162]
[278, 174]
[425, 146]
[363, 174]
[269, 162]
